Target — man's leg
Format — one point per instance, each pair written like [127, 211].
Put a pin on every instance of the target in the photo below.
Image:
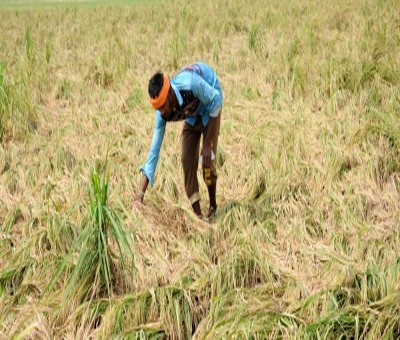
[190, 158]
[212, 188]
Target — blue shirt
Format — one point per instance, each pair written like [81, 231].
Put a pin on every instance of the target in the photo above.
[203, 82]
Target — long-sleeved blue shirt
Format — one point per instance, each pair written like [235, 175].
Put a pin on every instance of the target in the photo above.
[203, 82]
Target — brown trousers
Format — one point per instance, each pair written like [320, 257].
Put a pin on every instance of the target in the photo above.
[190, 156]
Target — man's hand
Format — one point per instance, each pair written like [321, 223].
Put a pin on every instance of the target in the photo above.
[143, 186]
[139, 197]
[206, 153]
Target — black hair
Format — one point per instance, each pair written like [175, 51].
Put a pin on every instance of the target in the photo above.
[155, 84]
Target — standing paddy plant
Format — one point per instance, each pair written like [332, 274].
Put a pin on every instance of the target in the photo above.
[107, 227]
[64, 90]
[18, 115]
[253, 37]
[28, 43]
[177, 48]
[48, 52]
[102, 242]
[3, 101]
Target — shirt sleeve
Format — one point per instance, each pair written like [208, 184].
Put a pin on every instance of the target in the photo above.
[209, 96]
[149, 167]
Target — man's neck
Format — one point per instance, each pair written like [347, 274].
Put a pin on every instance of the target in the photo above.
[174, 101]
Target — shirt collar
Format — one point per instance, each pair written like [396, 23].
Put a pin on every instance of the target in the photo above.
[178, 95]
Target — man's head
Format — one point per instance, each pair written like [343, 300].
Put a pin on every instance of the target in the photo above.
[160, 93]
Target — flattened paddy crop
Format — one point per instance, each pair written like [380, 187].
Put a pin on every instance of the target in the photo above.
[305, 243]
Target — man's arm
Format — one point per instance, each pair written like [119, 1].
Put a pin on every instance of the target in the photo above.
[143, 187]
[149, 168]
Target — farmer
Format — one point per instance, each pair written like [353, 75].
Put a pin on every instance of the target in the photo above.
[193, 95]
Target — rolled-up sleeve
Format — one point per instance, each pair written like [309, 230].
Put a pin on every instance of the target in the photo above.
[149, 167]
[208, 95]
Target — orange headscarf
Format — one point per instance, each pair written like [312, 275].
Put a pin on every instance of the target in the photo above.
[159, 101]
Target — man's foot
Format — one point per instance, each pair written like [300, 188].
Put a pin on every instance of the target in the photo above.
[196, 208]
[211, 212]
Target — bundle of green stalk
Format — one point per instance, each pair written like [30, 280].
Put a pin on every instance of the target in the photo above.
[103, 231]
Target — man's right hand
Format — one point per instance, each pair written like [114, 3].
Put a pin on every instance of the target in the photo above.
[143, 187]
[139, 198]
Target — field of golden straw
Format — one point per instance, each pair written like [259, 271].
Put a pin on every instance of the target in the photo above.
[306, 239]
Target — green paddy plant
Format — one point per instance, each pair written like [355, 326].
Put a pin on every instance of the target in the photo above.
[48, 52]
[216, 51]
[178, 47]
[102, 241]
[18, 114]
[28, 43]
[64, 90]
[10, 219]
[253, 37]
[4, 102]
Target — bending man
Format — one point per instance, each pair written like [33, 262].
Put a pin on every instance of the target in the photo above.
[193, 95]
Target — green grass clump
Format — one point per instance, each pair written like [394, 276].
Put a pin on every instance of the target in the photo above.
[18, 116]
[103, 229]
